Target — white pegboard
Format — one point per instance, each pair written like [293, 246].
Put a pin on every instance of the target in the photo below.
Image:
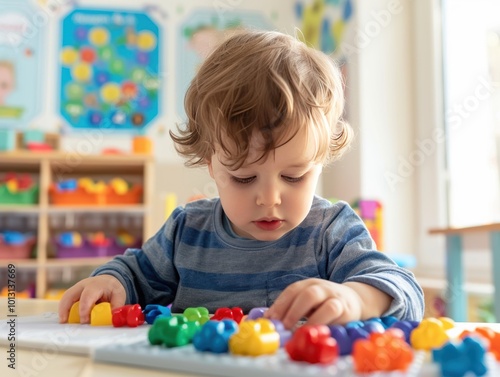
[130, 347]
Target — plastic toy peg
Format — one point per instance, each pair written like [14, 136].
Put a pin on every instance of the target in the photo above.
[152, 312]
[406, 326]
[285, 335]
[68, 185]
[313, 344]
[255, 338]
[346, 336]
[100, 315]
[457, 359]
[70, 239]
[495, 346]
[200, 314]
[99, 239]
[234, 313]
[119, 185]
[382, 352]
[373, 325]
[12, 185]
[125, 239]
[388, 321]
[214, 336]
[353, 324]
[448, 323]
[74, 313]
[431, 333]
[491, 337]
[13, 238]
[85, 183]
[256, 313]
[173, 331]
[128, 315]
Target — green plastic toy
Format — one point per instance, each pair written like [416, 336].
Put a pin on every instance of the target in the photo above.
[173, 331]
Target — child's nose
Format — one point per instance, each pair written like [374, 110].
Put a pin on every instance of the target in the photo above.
[269, 196]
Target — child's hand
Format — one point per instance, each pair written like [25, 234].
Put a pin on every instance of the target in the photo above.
[325, 302]
[102, 288]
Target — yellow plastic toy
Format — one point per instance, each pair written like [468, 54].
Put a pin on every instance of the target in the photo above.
[74, 313]
[255, 338]
[12, 185]
[101, 315]
[119, 185]
[431, 333]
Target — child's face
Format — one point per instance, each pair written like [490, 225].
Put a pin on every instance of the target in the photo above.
[267, 199]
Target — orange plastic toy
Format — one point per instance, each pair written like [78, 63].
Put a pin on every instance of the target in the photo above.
[385, 352]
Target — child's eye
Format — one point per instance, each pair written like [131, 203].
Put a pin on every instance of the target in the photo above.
[292, 179]
[242, 180]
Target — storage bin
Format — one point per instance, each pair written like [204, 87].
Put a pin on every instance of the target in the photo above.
[81, 197]
[132, 196]
[29, 196]
[77, 197]
[22, 251]
[87, 250]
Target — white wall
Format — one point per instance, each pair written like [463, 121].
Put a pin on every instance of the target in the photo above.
[381, 110]
[393, 105]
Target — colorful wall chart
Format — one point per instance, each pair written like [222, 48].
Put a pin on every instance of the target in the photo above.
[22, 28]
[203, 29]
[110, 70]
[324, 23]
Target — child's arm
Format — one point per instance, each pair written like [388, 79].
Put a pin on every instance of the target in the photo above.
[326, 302]
[104, 288]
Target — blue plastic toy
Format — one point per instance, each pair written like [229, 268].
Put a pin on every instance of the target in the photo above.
[457, 359]
[214, 336]
[151, 312]
[13, 238]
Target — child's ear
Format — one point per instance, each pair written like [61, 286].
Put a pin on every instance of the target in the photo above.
[210, 168]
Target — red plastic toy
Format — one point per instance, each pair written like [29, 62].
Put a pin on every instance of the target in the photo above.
[234, 313]
[313, 344]
[128, 315]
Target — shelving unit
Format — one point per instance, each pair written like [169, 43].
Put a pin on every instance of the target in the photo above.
[48, 168]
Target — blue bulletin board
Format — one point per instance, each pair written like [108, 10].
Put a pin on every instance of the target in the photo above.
[110, 70]
[22, 28]
[201, 30]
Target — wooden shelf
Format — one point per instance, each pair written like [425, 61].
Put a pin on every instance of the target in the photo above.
[35, 209]
[125, 209]
[51, 167]
[27, 209]
[76, 262]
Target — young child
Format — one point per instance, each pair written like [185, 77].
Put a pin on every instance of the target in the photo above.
[264, 115]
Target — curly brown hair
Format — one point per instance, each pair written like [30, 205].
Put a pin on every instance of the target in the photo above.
[265, 82]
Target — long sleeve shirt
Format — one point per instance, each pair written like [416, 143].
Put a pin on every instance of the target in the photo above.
[195, 260]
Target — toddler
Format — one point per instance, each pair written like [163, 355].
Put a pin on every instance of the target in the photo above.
[264, 116]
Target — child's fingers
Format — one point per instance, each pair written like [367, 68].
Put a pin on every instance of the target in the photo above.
[296, 302]
[71, 296]
[88, 299]
[280, 307]
[305, 303]
[328, 312]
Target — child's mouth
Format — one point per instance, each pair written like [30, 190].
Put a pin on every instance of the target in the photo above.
[269, 225]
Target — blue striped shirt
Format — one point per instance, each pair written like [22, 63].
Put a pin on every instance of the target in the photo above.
[196, 260]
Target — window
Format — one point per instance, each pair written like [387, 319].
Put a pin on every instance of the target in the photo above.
[471, 68]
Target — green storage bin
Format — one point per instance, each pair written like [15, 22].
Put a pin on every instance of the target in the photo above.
[29, 196]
